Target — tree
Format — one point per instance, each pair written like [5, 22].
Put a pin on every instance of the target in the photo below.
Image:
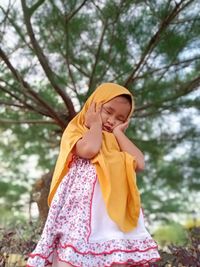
[55, 53]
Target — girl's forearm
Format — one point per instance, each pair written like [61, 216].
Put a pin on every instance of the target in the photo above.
[89, 145]
[126, 145]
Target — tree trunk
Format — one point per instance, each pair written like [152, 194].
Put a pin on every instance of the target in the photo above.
[40, 194]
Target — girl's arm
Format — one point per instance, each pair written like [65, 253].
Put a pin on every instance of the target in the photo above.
[126, 145]
[89, 145]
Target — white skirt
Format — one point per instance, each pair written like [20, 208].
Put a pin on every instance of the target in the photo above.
[79, 231]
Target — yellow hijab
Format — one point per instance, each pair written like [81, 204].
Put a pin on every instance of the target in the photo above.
[115, 169]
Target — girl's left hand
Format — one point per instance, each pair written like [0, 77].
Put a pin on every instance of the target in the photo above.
[121, 127]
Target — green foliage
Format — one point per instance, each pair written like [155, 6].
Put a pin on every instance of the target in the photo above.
[172, 233]
[9, 218]
[11, 191]
[172, 44]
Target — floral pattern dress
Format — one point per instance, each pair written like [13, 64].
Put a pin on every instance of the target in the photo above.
[78, 230]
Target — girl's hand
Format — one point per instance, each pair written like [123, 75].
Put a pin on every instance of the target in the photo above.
[121, 127]
[93, 115]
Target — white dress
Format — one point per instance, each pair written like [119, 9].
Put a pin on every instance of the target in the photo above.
[78, 230]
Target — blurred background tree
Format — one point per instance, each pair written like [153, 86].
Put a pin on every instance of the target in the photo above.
[54, 53]
[172, 233]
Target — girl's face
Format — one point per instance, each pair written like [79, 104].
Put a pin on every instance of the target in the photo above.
[115, 112]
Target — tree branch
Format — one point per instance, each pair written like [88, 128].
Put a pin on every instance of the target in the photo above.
[44, 62]
[184, 90]
[35, 6]
[113, 23]
[25, 104]
[25, 85]
[9, 103]
[4, 121]
[67, 59]
[178, 64]
[96, 58]
[4, 20]
[155, 39]
[80, 69]
[73, 13]
[17, 29]
[185, 63]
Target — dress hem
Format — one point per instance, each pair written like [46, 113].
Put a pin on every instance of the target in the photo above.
[129, 261]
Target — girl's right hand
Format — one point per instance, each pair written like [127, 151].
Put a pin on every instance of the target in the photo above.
[93, 115]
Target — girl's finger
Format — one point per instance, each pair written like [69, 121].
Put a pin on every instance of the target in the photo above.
[92, 107]
[98, 107]
[127, 122]
[125, 125]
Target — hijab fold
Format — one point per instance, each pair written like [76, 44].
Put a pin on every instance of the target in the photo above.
[115, 169]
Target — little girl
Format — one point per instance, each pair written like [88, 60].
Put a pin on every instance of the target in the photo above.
[95, 218]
